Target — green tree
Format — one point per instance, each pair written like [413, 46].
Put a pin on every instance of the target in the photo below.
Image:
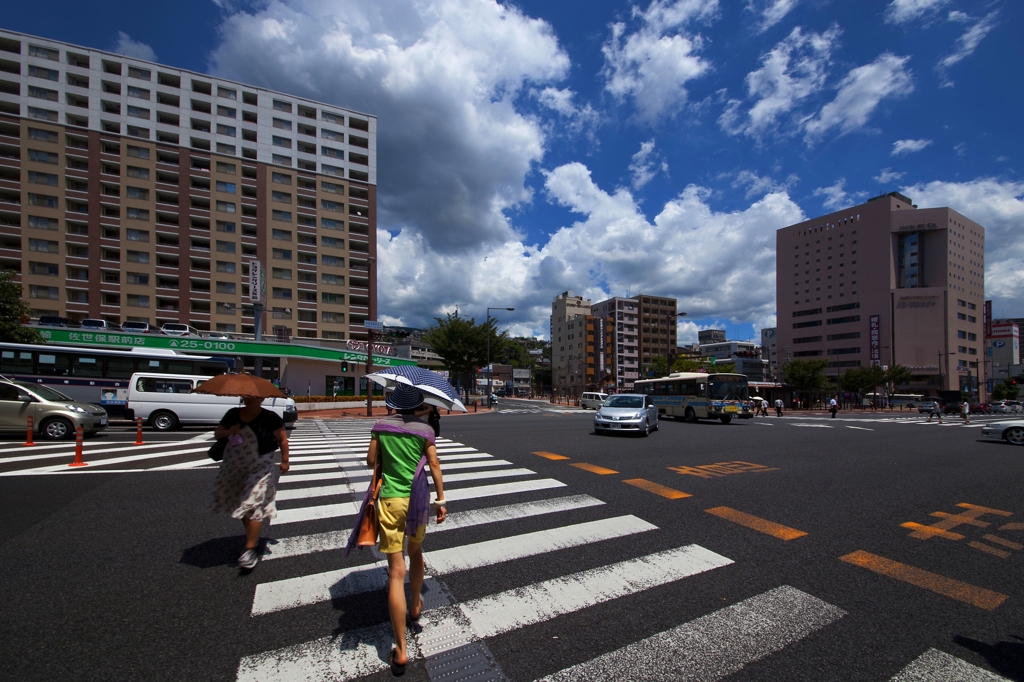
[806, 376]
[1010, 388]
[856, 380]
[462, 345]
[659, 366]
[12, 311]
[896, 376]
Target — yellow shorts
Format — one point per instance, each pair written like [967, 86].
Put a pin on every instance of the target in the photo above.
[391, 513]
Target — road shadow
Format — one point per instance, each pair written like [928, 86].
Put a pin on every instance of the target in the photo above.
[215, 552]
[1006, 658]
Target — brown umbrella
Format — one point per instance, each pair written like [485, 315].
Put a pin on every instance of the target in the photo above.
[240, 385]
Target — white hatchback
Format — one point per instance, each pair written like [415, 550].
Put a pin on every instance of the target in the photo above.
[592, 401]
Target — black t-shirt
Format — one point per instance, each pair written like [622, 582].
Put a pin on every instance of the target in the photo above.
[264, 426]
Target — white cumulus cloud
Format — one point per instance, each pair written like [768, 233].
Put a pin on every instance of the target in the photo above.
[997, 205]
[773, 12]
[646, 165]
[794, 70]
[887, 175]
[860, 93]
[836, 197]
[900, 147]
[653, 64]
[903, 11]
[132, 48]
[577, 118]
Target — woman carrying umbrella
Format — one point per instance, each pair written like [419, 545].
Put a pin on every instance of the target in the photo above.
[246, 485]
[404, 444]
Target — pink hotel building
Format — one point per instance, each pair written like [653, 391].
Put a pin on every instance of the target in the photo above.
[883, 283]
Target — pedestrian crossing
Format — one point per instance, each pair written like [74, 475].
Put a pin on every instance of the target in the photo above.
[540, 410]
[451, 641]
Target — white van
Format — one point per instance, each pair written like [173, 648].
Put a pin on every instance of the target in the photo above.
[166, 401]
[592, 401]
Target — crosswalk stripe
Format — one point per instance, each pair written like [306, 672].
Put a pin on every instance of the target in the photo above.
[505, 549]
[517, 608]
[366, 474]
[320, 542]
[938, 666]
[360, 470]
[741, 634]
[311, 589]
[109, 461]
[326, 511]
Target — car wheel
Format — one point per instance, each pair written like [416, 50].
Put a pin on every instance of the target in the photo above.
[56, 429]
[1015, 436]
[164, 421]
[726, 420]
[691, 416]
[646, 430]
[657, 425]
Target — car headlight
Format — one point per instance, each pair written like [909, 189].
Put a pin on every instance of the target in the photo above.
[76, 408]
[639, 415]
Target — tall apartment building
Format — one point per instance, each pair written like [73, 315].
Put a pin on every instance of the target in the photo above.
[710, 336]
[136, 191]
[769, 351]
[624, 314]
[568, 342]
[657, 327]
[885, 282]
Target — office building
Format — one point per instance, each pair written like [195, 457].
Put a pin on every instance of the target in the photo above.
[623, 316]
[1002, 350]
[135, 191]
[1019, 321]
[657, 327]
[710, 336]
[882, 283]
[769, 351]
[568, 351]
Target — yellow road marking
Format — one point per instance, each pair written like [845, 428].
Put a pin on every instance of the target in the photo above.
[991, 550]
[549, 455]
[1000, 541]
[593, 468]
[657, 488]
[940, 584]
[931, 531]
[756, 523]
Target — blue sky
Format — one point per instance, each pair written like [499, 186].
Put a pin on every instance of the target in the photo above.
[612, 148]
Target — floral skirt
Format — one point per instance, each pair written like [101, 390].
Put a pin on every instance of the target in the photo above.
[246, 485]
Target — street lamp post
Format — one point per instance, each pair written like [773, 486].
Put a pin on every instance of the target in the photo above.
[490, 371]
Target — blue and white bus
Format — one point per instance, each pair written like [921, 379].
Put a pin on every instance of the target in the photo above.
[94, 375]
[692, 396]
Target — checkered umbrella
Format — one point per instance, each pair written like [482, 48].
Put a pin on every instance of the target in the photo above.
[436, 389]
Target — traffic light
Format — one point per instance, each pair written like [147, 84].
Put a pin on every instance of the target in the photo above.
[344, 367]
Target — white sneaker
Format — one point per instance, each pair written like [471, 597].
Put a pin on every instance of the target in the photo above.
[249, 559]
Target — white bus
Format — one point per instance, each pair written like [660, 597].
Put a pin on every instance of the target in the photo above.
[908, 400]
[692, 396]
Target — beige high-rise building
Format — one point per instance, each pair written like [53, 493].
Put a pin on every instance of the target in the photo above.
[624, 314]
[657, 328]
[568, 342]
[134, 191]
[883, 283]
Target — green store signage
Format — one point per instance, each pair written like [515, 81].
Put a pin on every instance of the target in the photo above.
[213, 346]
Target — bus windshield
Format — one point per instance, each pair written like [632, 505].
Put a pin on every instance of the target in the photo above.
[728, 388]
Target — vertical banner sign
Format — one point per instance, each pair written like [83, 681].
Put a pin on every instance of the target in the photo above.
[600, 346]
[874, 326]
[257, 282]
[988, 318]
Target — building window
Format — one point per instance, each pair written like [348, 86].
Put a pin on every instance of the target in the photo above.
[331, 260]
[143, 74]
[138, 301]
[282, 106]
[42, 223]
[278, 292]
[227, 93]
[44, 269]
[331, 205]
[226, 187]
[281, 160]
[282, 235]
[137, 235]
[332, 242]
[226, 287]
[40, 72]
[282, 254]
[326, 297]
[136, 172]
[42, 200]
[225, 266]
[226, 207]
[137, 193]
[42, 157]
[329, 224]
[283, 197]
[51, 293]
[226, 247]
[283, 216]
[281, 273]
[223, 226]
[139, 278]
[136, 213]
[226, 168]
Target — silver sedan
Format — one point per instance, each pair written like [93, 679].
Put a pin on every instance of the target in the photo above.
[627, 412]
[1010, 431]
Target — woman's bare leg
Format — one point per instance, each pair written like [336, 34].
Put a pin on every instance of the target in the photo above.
[396, 602]
[416, 572]
[252, 532]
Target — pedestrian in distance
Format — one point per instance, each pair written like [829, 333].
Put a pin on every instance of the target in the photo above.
[935, 411]
[404, 446]
[965, 412]
[434, 419]
[833, 406]
[778, 407]
[246, 484]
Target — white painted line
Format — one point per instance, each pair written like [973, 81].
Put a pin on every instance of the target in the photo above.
[938, 666]
[518, 608]
[286, 494]
[500, 550]
[184, 465]
[349, 656]
[329, 476]
[763, 423]
[453, 458]
[515, 487]
[312, 589]
[859, 428]
[109, 460]
[312, 458]
[812, 426]
[321, 542]
[327, 511]
[366, 475]
[716, 645]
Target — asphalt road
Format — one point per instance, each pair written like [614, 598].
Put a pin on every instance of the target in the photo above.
[767, 549]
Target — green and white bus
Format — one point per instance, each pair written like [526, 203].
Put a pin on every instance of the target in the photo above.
[692, 396]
